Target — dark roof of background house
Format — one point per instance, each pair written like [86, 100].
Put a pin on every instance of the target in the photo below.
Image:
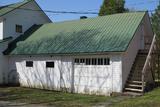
[8, 8]
[111, 33]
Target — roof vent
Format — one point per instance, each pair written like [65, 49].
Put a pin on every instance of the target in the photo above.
[83, 17]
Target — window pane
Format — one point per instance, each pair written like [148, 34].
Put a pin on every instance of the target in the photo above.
[100, 61]
[76, 61]
[82, 60]
[29, 63]
[94, 61]
[88, 61]
[50, 64]
[19, 28]
[106, 61]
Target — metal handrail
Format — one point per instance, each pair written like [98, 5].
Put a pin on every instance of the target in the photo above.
[147, 61]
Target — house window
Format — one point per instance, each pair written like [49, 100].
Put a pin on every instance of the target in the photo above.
[88, 61]
[49, 64]
[19, 29]
[82, 61]
[106, 61]
[94, 61]
[76, 61]
[100, 61]
[29, 63]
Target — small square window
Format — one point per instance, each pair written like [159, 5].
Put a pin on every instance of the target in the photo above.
[49, 64]
[82, 61]
[29, 63]
[100, 61]
[88, 61]
[76, 61]
[94, 61]
[19, 29]
[106, 61]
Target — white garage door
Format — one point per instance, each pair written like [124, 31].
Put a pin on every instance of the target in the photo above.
[93, 76]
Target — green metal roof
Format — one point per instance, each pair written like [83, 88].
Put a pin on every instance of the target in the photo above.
[8, 8]
[111, 33]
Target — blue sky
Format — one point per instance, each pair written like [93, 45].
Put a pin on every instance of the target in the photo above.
[83, 5]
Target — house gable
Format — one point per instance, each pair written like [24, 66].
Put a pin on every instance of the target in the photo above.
[21, 14]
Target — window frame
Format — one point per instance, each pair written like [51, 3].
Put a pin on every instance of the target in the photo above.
[29, 64]
[19, 28]
[50, 64]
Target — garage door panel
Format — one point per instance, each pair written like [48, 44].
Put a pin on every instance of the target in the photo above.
[92, 79]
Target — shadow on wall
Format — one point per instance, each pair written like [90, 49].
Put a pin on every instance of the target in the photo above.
[13, 78]
[74, 42]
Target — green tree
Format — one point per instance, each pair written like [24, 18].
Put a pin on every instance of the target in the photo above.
[155, 18]
[156, 21]
[112, 7]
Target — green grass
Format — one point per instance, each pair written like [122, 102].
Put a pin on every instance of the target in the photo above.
[61, 99]
[151, 99]
[35, 96]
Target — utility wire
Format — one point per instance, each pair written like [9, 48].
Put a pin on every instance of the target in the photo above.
[78, 12]
[57, 12]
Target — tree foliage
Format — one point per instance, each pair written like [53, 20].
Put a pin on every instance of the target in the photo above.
[112, 7]
[156, 21]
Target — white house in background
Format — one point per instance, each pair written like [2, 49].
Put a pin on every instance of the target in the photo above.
[91, 56]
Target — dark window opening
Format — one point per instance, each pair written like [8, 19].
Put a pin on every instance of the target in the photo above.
[19, 29]
[29, 63]
[94, 61]
[106, 61]
[49, 64]
[82, 60]
[100, 61]
[88, 61]
[76, 61]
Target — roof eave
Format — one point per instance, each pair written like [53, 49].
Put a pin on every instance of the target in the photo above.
[15, 8]
[71, 54]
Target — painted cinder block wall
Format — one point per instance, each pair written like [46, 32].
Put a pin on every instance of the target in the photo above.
[99, 79]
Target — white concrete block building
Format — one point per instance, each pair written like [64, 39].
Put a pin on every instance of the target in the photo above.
[91, 56]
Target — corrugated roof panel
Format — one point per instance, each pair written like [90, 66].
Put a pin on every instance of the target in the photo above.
[111, 33]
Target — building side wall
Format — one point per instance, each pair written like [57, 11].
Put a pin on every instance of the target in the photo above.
[117, 74]
[67, 76]
[23, 17]
[39, 76]
[142, 37]
[3, 64]
[131, 53]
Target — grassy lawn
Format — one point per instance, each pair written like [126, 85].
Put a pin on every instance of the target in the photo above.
[35, 96]
[60, 99]
[151, 99]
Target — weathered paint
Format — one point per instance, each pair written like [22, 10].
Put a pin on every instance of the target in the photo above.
[39, 76]
[99, 79]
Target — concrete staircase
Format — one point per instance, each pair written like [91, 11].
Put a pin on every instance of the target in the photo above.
[134, 83]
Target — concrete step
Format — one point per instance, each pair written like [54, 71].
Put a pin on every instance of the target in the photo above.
[135, 82]
[133, 90]
[134, 85]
